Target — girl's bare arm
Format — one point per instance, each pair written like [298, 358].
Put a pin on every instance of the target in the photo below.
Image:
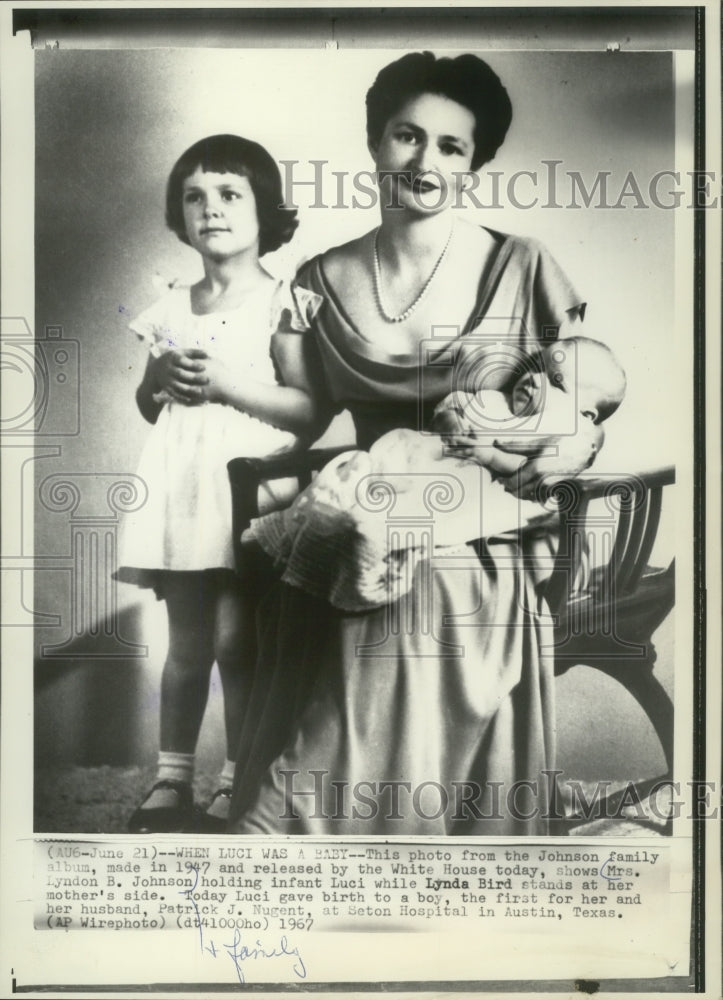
[148, 407]
[298, 405]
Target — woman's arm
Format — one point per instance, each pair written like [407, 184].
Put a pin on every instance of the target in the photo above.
[460, 441]
[552, 458]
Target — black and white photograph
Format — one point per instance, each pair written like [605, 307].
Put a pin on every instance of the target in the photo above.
[358, 429]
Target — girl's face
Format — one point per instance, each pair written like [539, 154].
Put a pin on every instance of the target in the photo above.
[424, 153]
[219, 211]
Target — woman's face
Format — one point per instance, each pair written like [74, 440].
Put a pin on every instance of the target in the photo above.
[424, 153]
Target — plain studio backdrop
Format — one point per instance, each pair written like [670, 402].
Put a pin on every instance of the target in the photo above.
[109, 126]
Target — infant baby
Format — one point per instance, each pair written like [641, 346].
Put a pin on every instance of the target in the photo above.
[354, 501]
[568, 381]
[571, 380]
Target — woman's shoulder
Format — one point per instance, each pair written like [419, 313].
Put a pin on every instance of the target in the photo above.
[523, 247]
[348, 253]
[482, 247]
[338, 262]
[528, 263]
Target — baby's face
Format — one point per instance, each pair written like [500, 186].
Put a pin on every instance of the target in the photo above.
[552, 388]
[528, 394]
[534, 391]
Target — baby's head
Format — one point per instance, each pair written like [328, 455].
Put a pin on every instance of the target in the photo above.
[232, 154]
[576, 366]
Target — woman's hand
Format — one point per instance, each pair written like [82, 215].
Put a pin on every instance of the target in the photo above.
[182, 374]
[481, 448]
[551, 458]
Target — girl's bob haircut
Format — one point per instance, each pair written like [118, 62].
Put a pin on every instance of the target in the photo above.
[232, 154]
[466, 79]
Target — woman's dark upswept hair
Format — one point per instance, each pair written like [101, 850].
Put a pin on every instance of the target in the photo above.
[466, 79]
[233, 154]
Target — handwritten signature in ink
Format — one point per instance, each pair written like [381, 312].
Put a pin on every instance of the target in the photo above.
[238, 951]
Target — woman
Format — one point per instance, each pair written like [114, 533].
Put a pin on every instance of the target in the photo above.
[375, 723]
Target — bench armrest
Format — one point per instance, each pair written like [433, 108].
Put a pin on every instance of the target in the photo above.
[628, 525]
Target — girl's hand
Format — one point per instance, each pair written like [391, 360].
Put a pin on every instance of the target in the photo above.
[182, 374]
[550, 459]
[218, 382]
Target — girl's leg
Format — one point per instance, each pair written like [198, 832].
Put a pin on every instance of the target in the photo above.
[235, 649]
[234, 644]
[190, 603]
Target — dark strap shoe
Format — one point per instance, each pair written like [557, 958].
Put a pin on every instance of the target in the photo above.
[164, 819]
[208, 823]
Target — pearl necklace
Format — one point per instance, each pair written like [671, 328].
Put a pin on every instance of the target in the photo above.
[425, 288]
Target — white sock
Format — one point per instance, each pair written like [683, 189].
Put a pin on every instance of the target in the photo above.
[225, 778]
[220, 805]
[175, 766]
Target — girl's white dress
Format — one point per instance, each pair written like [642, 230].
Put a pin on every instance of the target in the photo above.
[185, 522]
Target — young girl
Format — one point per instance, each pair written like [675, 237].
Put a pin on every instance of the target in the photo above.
[210, 390]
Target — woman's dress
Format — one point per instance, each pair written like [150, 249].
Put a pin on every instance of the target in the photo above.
[433, 715]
